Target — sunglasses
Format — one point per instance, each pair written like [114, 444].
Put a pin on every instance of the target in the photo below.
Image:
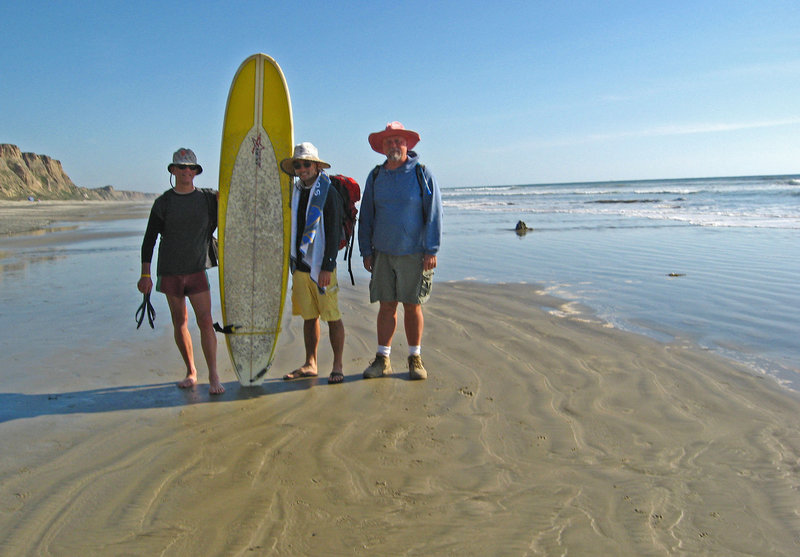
[298, 165]
[185, 166]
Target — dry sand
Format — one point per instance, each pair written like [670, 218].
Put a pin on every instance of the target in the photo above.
[536, 434]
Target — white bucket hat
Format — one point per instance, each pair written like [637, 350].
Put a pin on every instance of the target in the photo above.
[184, 156]
[303, 152]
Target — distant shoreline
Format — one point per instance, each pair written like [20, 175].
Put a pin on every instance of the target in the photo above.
[21, 217]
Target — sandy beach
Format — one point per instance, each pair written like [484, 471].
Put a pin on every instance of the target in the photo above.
[19, 217]
[537, 433]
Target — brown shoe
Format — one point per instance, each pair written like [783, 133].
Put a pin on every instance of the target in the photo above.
[415, 368]
[378, 367]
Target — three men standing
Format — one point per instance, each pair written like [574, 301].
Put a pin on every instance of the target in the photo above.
[399, 233]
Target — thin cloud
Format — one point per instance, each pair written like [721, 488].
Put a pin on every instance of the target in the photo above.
[669, 130]
[691, 129]
[773, 71]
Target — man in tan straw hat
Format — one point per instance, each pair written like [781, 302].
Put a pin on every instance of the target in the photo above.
[316, 228]
[185, 217]
[399, 233]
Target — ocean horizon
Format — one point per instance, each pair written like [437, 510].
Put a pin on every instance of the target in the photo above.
[709, 261]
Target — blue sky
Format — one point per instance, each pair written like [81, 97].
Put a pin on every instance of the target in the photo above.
[501, 92]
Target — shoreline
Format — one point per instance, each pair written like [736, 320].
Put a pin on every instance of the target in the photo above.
[552, 433]
[23, 217]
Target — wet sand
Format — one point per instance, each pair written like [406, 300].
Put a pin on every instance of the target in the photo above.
[19, 217]
[537, 433]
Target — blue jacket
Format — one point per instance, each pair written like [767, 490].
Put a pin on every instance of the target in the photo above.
[391, 219]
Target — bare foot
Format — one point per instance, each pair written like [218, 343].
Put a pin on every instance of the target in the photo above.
[215, 387]
[189, 382]
[300, 373]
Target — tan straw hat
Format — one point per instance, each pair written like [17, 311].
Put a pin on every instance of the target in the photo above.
[302, 152]
[392, 129]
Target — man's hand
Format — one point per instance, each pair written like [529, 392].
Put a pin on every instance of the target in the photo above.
[324, 278]
[145, 285]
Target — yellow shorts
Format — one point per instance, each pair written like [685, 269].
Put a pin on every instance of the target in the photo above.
[309, 303]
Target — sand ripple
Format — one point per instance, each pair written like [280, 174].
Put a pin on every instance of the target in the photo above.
[535, 435]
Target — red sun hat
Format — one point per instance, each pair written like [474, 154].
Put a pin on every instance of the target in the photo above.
[392, 129]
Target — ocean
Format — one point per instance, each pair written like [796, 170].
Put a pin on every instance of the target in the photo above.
[713, 261]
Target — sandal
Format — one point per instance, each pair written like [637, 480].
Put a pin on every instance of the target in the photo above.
[298, 374]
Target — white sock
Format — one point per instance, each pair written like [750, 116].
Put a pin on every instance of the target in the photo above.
[384, 350]
[414, 350]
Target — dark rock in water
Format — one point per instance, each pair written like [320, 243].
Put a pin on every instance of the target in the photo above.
[676, 274]
[521, 228]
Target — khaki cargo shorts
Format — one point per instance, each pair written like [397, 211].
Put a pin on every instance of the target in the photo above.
[399, 278]
[309, 303]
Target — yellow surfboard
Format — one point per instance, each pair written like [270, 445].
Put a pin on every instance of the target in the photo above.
[254, 215]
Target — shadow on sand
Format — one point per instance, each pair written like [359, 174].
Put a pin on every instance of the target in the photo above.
[15, 406]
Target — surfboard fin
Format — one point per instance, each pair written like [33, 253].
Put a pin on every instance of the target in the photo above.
[227, 329]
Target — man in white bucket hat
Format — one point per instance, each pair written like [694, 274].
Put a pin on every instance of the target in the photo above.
[399, 234]
[185, 217]
[315, 232]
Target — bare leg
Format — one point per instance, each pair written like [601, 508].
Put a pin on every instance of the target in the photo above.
[311, 333]
[336, 331]
[180, 325]
[387, 322]
[201, 302]
[414, 322]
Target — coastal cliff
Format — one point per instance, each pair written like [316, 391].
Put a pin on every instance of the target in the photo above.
[28, 175]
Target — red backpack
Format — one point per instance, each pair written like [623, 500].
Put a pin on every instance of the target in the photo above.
[350, 193]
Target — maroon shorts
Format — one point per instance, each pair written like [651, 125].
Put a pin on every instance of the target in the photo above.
[183, 285]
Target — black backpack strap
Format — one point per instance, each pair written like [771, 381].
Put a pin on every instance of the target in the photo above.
[213, 245]
[423, 187]
[349, 257]
[423, 183]
[374, 173]
[212, 214]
